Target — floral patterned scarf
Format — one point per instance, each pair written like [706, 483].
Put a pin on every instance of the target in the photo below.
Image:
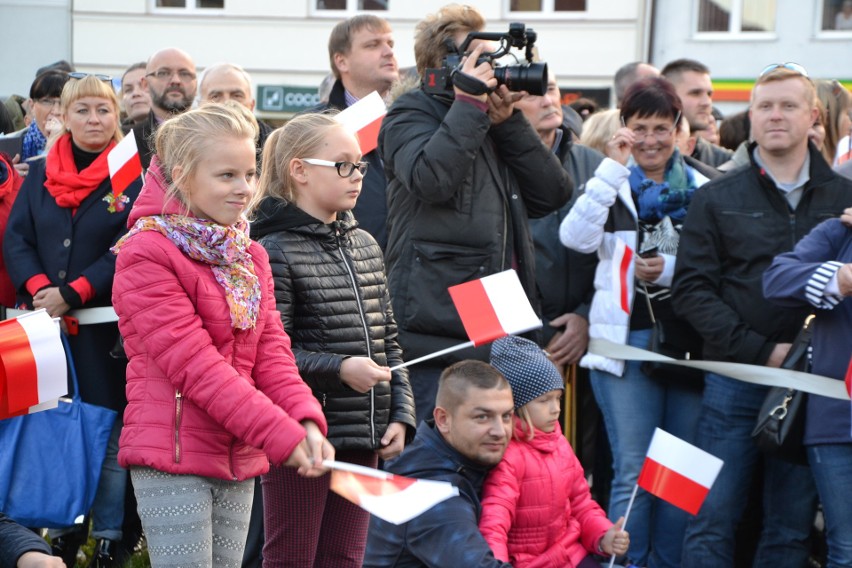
[225, 249]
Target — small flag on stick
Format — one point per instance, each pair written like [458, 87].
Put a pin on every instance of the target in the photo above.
[364, 118]
[622, 274]
[493, 307]
[33, 373]
[393, 498]
[678, 472]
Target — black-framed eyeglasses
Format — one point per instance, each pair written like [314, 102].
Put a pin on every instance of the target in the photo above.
[344, 169]
[165, 74]
[48, 102]
[79, 75]
[789, 65]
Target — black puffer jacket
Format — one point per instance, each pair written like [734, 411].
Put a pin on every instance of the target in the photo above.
[330, 289]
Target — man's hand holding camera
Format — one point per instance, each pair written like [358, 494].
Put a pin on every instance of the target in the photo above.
[483, 74]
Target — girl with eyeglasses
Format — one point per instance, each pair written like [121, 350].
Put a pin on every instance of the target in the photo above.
[331, 291]
[213, 392]
[631, 214]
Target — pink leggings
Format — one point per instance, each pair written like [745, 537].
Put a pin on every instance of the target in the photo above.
[307, 525]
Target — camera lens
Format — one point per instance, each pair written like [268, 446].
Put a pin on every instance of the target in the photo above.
[531, 78]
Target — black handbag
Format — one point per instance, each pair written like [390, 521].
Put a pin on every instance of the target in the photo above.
[781, 421]
[677, 339]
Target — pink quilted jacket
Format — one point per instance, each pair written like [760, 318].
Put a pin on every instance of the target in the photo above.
[536, 507]
[203, 398]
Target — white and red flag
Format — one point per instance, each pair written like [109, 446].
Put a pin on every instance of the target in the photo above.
[125, 167]
[33, 372]
[393, 498]
[622, 274]
[678, 472]
[364, 118]
[493, 307]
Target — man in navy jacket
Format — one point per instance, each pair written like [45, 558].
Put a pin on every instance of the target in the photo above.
[471, 430]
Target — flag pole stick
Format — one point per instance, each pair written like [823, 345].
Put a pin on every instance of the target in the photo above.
[354, 468]
[626, 515]
[433, 355]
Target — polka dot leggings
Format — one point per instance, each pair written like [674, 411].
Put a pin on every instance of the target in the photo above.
[192, 521]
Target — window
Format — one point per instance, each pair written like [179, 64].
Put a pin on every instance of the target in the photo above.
[190, 4]
[837, 15]
[352, 5]
[736, 16]
[547, 6]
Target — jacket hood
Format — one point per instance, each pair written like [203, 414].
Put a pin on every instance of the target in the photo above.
[152, 199]
[274, 215]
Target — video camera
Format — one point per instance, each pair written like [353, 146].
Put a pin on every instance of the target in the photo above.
[530, 77]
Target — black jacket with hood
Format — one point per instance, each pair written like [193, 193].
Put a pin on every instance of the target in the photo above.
[330, 289]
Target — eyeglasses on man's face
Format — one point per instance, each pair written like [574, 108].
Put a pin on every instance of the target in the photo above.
[165, 74]
[344, 169]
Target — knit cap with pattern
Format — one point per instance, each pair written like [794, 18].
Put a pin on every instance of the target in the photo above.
[527, 368]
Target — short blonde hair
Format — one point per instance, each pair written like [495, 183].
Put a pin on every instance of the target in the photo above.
[183, 139]
[434, 32]
[782, 74]
[299, 138]
[599, 128]
[91, 86]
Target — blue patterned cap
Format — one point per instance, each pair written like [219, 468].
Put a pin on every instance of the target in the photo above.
[526, 367]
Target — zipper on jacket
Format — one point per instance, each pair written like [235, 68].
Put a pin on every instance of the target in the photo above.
[792, 231]
[178, 413]
[351, 273]
[506, 213]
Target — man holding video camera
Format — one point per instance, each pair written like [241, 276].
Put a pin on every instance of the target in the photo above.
[465, 170]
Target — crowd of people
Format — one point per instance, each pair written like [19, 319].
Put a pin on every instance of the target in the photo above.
[269, 284]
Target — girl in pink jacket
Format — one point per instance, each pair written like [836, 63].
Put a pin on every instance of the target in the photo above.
[213, 391]
[537, 510]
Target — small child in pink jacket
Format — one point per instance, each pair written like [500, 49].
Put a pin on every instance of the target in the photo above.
[537, 510]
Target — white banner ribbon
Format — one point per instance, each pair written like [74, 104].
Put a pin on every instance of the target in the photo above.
[754, 374]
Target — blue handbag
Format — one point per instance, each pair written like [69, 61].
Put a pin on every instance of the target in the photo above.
[50, 461]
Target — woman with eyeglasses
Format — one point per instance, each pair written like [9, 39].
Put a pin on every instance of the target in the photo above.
[331, 291]
[45, 117]
[631, 214]
[56, 248]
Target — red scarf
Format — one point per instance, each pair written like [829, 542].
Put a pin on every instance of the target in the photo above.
[68, 186]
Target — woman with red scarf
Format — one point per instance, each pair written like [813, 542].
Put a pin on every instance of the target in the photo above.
[57, 252]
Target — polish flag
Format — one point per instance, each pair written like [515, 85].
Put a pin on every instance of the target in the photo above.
[678, 472]
[33, 372]
[622, 274]
[125, 167]
[392, 498]
[493, 307]
[849, 378]
[364, 118]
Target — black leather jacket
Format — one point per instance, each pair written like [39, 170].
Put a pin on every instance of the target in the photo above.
[331, 292]
[447, 534]
[735, 226]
